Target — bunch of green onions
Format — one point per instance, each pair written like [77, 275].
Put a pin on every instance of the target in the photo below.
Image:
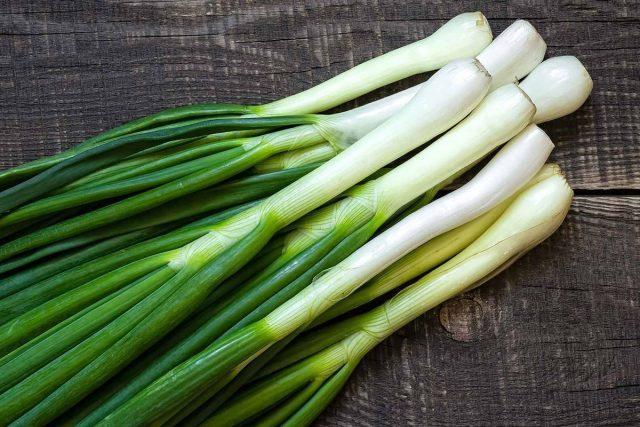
[293, 389]
[154, 273]
[212, 367]
[318, 242]
[158, 292]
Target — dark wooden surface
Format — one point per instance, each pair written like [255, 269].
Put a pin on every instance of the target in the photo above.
[555, 340]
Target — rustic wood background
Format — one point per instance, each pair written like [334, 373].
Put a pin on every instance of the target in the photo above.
[555, 340]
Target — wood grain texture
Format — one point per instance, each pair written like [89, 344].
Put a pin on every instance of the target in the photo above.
[554, 340]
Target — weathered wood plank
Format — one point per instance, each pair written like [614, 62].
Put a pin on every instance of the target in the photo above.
[552, 341]
[70, 69]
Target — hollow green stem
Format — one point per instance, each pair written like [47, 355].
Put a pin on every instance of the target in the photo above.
[110, 152]
[167, 116]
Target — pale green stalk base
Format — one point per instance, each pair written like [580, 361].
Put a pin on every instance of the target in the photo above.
[463, 36]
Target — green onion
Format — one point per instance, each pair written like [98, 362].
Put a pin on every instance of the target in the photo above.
[353, 220]
[412, 265]
[341, 129]
[558, 87]
[463, 36]
[508, 171]
[492, 123]
[128, 284]
[183, 283]
[162, 186]
[514, 53]
[347, 224]
[299, 392]
[409, 267]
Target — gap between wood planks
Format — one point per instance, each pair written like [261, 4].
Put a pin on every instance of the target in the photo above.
[622, 192]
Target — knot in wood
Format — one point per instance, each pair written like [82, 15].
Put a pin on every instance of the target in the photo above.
[463, 318]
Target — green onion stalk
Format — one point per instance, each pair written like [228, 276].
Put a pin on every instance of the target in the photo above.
[368, 115]
[39, 285]
[91, 281]
[371, 113]
[167, 287]
[556, 78]
[463, 36]
[328, 236]
[297, 393]
[493, 122]
[317, 243]
[517, 163]
[427, 256]
[294, 158]
[209, 166]
[114, 150]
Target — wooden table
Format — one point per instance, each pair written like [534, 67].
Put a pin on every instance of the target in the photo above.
[555, 340]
